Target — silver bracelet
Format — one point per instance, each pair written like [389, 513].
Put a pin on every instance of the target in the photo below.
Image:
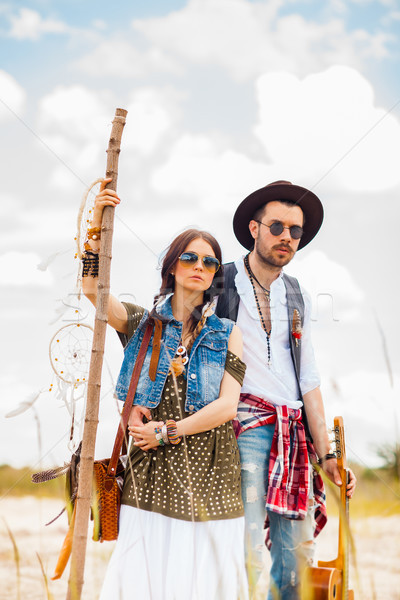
[164, 433]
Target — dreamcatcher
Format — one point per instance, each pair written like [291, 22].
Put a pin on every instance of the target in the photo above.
[69, 353]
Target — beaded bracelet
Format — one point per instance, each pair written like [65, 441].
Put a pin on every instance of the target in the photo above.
[159, 439]
[159, 436]
[326, 457]
[172, 432]
[94, 233]
[90, 264]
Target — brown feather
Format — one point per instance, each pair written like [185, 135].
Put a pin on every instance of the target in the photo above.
[50, 474]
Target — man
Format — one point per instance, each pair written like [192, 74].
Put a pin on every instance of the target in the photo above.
[281, 387]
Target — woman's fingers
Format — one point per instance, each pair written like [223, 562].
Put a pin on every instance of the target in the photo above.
[105, 197]
[104, 183]
[144, 445]
[108, 195]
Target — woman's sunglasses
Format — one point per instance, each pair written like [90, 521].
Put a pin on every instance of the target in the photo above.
[276, 229]
[189, 259]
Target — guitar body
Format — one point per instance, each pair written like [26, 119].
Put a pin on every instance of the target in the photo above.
[325, 582]
[330, 580]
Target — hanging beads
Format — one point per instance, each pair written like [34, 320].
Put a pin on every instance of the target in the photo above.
[267, 294]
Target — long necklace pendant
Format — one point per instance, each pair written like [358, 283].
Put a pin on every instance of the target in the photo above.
[268, 352]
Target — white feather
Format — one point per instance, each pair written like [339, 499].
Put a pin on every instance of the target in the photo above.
[25, 405]
[42, 266]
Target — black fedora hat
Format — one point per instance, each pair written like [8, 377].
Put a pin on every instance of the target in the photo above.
[309, 203]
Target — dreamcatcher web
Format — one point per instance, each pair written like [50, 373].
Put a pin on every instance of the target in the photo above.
[69, 353]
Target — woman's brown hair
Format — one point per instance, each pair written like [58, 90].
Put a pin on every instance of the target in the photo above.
[172, 254]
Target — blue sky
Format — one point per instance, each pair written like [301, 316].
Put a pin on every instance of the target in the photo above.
[223, 96]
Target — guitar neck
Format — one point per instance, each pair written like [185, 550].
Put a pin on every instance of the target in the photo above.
[342, 561]
[343, 546]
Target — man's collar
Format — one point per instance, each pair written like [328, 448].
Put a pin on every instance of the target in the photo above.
[243, 275]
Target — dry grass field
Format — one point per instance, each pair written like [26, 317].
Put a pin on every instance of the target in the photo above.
[377, 543]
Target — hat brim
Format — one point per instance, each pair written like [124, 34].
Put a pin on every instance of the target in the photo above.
[309, 203]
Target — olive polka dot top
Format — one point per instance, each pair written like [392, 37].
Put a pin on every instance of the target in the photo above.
[195, 480]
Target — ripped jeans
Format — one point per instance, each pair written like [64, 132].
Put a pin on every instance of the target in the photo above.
[292, 540]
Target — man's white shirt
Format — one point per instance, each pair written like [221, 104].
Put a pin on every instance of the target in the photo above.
[277, 382]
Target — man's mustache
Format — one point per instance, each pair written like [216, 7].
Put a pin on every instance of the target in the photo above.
[283, 247]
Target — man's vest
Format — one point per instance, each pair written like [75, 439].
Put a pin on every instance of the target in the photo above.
[228, 307]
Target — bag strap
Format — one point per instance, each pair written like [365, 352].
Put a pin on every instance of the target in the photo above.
[155, 355]
[120, 437]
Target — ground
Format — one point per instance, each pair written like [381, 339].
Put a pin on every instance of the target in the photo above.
[376, 543]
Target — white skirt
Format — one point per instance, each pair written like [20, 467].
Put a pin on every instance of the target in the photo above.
[161, 558]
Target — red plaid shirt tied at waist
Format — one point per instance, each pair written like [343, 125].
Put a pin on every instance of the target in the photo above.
[288, 470]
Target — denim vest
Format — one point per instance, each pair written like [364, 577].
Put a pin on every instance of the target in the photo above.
[204, 370]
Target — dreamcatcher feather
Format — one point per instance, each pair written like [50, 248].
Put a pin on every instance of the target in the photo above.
[83, 220]
[71, 470]
[25, 404]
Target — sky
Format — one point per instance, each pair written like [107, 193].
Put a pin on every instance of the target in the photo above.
[223, 97]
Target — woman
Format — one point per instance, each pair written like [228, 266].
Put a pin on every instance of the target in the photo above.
[181, 523]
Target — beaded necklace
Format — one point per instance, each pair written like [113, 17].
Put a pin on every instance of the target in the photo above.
[253, 278]
[251, 274]
[181, 357]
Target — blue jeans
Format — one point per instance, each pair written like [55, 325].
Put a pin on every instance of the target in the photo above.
[291, 539]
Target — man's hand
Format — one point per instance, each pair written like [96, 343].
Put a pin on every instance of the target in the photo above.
[331, 469]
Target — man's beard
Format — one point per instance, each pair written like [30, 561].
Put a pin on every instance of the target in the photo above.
[268, 259]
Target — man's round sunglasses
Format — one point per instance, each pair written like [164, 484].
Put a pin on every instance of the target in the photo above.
[277, 227]
[189, 259]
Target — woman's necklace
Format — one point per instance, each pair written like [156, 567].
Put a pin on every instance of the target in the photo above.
[253, 278]
[180, 360]
[181, 357]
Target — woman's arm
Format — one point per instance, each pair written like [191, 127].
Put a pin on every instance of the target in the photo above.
[117, 315]
[214, 414]
[225, 407]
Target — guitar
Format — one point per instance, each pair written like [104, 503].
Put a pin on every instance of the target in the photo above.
[330, 580]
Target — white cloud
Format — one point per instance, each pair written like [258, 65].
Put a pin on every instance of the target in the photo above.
[334, 293]
[391, 18]
[121, 58]
[21, 269]
[199, 171]
[151, 113]
[12, 96]
[256, 39]
[369, 408]
[29, 25]
[75, 110]
[323, 127]
[76, 122]
[330, 122]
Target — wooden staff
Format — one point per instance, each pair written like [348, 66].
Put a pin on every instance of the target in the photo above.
[76, 579]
